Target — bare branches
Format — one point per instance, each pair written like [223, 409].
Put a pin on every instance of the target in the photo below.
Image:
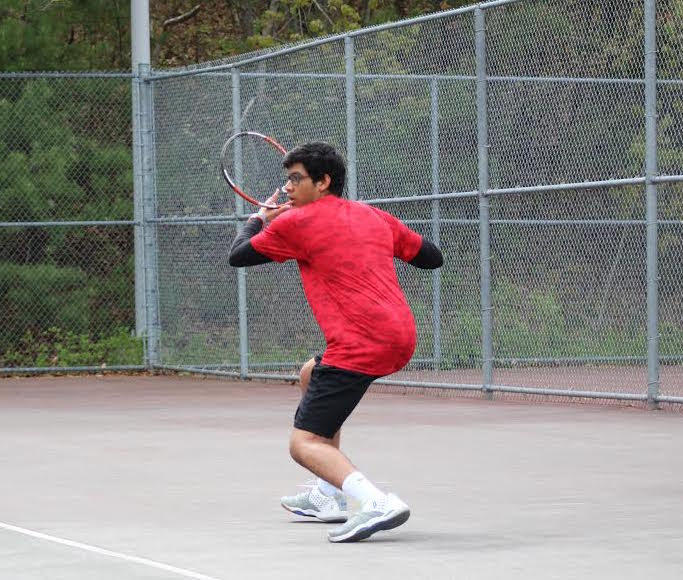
[182, 18]
[48, 4]
[324, 13]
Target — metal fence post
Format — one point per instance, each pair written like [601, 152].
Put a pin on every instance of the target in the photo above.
[484, 225]
[138, 233]
[436, 218]
[651, 195]
[149, 211]
[140, 53]
[138, 206]
[349, 58]
[239, 210]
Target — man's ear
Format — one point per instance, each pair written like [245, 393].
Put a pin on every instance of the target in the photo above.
[325, 182]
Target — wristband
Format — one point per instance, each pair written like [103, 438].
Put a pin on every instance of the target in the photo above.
[260, 215]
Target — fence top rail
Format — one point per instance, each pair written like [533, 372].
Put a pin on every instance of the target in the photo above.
[577, 186]
[411, 198]
[443, 77]
[667, 178]
[155, 75]
[335, 38]
[361, 76]
[567, 186]
[585, 185]
[198, 220]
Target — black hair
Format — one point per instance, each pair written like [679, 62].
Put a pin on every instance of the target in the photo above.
[319, 159]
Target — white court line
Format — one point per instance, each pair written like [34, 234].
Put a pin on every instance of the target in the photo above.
[96, 550]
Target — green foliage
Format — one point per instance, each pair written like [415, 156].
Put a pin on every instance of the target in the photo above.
[65, 155]
[57, 347]
[295, 20]
[536, 325]
[64, 35]
[35, 297]
[221, 347]
[39, 296]
[56, 164]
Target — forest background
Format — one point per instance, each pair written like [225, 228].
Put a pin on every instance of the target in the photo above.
[67, 293]
[69, 35]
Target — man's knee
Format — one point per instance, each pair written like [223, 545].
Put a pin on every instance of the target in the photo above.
[305, 375]
[300, 445]
[297, 445]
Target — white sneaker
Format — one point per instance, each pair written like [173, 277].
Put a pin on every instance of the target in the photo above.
[314, 503]
[373, 517]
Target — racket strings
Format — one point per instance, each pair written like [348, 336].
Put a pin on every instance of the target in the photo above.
[256, 167]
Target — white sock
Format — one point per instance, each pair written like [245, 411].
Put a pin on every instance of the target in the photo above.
[326, 488]
[359, 487]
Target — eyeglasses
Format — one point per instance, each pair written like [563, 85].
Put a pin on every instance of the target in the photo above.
[296, 178]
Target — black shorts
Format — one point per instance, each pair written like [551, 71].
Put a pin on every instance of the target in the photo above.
[331, 396]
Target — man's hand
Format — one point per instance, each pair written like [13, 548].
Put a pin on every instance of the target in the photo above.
[268, 215]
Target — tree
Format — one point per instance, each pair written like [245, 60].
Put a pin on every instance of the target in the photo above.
[64, 35]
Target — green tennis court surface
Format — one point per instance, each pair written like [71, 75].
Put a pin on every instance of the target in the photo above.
[180, 477]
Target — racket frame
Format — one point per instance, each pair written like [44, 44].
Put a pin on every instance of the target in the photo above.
[232, 183]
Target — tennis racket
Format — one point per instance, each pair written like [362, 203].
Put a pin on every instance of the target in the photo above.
[251, 163]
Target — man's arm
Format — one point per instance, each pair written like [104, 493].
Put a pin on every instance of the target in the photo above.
[242, 253]
[428, 257]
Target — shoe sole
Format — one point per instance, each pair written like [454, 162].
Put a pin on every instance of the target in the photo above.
[336, 519]
[391, 521]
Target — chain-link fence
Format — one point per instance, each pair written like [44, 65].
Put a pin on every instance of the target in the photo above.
[538, 142]
[66, 232]
[541, 106]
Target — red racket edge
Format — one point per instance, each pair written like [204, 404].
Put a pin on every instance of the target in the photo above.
[232, 183]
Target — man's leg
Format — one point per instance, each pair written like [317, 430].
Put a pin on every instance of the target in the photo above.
[379, 511]
[329, 395]
[323, 501]
[324, 486]
[320, 456]
[304, 380]
[341, 391]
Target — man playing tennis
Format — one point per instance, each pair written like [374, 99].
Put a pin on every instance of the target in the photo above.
[345, 252]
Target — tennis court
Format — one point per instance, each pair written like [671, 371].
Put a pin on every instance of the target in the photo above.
[179, 477]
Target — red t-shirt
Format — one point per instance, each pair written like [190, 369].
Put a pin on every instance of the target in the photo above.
[345, 251]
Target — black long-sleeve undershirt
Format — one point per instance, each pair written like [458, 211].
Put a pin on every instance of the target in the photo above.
[429, 257]
[242, 253]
